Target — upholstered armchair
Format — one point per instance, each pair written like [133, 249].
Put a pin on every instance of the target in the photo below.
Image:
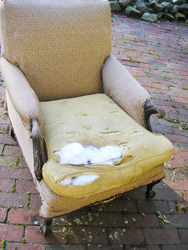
[63, 86]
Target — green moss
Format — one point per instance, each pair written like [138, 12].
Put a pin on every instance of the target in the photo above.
[14, 188]
[23, 240]
[28, 201]
[3, 244]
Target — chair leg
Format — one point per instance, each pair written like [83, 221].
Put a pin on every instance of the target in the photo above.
[46, 227]
[150, 193]
[11, 133]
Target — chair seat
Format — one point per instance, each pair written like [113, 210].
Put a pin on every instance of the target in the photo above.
[97, 120]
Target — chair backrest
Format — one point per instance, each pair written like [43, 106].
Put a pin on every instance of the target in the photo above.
[60, 45]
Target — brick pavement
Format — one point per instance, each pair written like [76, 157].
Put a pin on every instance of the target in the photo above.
[156, 55]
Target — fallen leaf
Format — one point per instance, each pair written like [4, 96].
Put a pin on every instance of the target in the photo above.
[143, 215]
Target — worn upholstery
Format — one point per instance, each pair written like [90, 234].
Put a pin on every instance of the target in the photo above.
[60, 54]
[56, 205]
[97, 120]
[52, 50]
[119, 85]
[21, 94]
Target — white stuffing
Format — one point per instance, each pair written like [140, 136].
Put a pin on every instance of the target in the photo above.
[77, 154]
[79, 180]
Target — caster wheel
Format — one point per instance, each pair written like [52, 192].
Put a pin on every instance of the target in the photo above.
[150, 194]
[46, 230]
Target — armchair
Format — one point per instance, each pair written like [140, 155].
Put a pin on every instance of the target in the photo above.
[63, 85]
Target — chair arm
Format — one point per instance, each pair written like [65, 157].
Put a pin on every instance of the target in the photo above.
[26, 104]
[119, 85]
[39, 154]
[150, 109]
[21, 94]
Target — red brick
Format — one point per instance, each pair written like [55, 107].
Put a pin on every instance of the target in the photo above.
[15, 173]
[71, 247]
[185, 195]
[176, 184]
[75, 218]
[125, 236]
[8, 161]
[175, 247]
[150, 206]
[33, 234]
[176, 138]
[177, 221]
[103, 219]
[157, 102]
[102, 247]
[150, 247]
[168, 194]
[176, 163]
[135, 194]
[91, 235]
[184, 235]
[11, 232]
[177, 131]
[158, 85]
[18, 246]
[13, 199]
[120, 205]
[168, 109]
[6, 139]
[12, 150]
[161, 236]
[2, 214]
[182, 111]
[152, 90]
[25, 186]
[35, 201]
[140, 221]
[6, 185]
[129, 63]
[182, 154]
[23, 216]
[180, 99]
[1, 148]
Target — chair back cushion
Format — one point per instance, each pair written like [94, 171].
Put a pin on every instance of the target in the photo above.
[59, 45]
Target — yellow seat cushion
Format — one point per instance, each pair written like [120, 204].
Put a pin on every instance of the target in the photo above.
[99, 121]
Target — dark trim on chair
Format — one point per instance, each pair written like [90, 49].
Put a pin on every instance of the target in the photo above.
[150, 109]
[39, 154]
[46, 228]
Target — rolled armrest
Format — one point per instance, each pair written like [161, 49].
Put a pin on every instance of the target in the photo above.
[21, 94]
[119, 85]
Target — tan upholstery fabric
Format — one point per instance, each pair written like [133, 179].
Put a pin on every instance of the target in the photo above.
[22, 96]
[53, 204]
[97, 120]
[52, 50]
[119, 85]
[60, 54]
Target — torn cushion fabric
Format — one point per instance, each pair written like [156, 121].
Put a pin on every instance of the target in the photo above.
[99, 121]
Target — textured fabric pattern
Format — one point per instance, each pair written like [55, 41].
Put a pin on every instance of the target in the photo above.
[119, 85]
[53, 204]
[60, 54]
[99, 121]
[22, 96]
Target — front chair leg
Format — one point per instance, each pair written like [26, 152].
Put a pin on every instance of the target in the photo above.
[46, 228]
[150, 193]
[11, 133]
